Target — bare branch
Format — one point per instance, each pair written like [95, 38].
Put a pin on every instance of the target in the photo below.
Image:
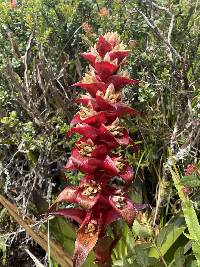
[158, 32]
[27, 59]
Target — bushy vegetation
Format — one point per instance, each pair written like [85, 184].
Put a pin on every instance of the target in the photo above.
[40, 46]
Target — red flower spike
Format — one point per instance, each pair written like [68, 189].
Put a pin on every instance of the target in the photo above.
[71, 213]
[101, 202]
[109, 165]
[120, 55]
[123, 109]
[104, 104]
[104, 69]
[92, 88]
[85, 164]
[120, 137]
[67, 195]
[97, 119]
[120, 81]
[117, 167]
[124, 140]
[127, 174]
[86, 100]
[112, 216]
[90, 192]
[87, 202]
[86, 130]
[90, 58]
[86, 146]
[86, 196]
[13, 3]
[125, 208]
[103, 46]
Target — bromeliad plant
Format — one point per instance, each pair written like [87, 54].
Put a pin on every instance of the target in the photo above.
[98, 153]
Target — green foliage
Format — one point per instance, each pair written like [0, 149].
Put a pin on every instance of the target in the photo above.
[3, 250]
[191, 181]
[189, 213]
[145, 248]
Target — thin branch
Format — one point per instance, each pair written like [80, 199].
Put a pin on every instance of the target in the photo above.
[159, 7]
[158, 32]
[39, 223]
[26, 60]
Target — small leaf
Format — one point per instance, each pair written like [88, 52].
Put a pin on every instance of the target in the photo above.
[141, 230]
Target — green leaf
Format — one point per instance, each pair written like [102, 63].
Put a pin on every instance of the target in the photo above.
[64, 233]
[142, 255]
[188, 211]
[141, 230]
[168, 236]
[191, 181]
[3, 250]
[179, 259]
[190, 261]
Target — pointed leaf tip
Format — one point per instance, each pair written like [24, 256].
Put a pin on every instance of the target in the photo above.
[85, 242]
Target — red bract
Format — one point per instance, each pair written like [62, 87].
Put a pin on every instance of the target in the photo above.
[83, 163]
[98, 153]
